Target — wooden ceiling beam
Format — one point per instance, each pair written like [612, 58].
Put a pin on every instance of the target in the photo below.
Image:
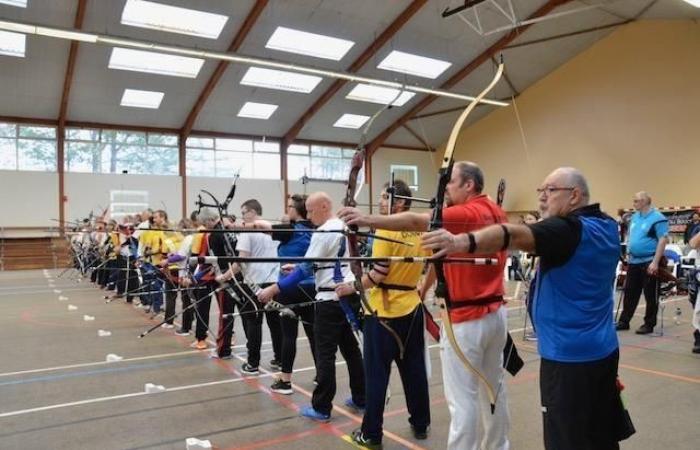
[221, 67]
[486, 55]
[369, 52]
[70, 66]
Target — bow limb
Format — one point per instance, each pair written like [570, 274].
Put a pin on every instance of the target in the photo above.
[444, 176]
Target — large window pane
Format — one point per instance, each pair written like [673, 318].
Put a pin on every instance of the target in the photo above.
[37, 132]
[267, 166]
[36, 154]
[200, 163]
[200, 142]
[296, 149]
[329, 168]
[333, 152]
[78, 134]
[8, 130]
[169, 140]
[267, 147]
[83, 157]
[239, 145]
[228, 164]
[8, 154]
[298, 166]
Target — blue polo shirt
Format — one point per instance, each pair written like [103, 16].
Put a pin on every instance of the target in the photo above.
[645, 232]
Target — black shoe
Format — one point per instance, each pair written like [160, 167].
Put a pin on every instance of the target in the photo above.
[645, 329]
[275, 365]
[249, 370]
[696, 348]
[365, 442]
[420, 435]
[621, 326]
[282, 387]
[181, 332]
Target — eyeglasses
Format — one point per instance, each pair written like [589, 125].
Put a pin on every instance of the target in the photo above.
[549, 190]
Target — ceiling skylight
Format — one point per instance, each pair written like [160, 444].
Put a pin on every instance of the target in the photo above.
[152, 62]
[18, 3]
[419, 66]
[695, 3]
[377, 94]
[12, 44]
[156, 16]
[311, 44]
[280, 80]
[142, 99]
[353, 121]
[257, 110]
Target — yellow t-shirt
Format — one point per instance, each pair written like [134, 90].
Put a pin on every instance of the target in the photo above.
[114, 238]
[400, 302]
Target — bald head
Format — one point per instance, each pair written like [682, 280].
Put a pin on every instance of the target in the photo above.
[319, 208]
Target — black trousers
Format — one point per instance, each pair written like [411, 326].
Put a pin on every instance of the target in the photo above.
[252, 324]
[380, 350]
[201, 309]
[187, 296]
[637, 281]
[581, 404]
[290, 326]
[127, 280]
[170, 288]
[333, 332]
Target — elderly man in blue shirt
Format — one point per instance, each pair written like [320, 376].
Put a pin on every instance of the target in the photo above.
[648, 237]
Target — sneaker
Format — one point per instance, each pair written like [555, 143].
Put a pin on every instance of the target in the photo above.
[361, 440]
[275, 365]
[214, 355]
[282, 387]
[199, 345]
[696, 348]
[420, 435]
[531, 337]
[181, 332]
[310, 413]
[249, 370]
[352, 405]
[621, 326]
[167, 326]
[645, 329]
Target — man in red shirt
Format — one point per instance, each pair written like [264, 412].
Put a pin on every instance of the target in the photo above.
[476, 300]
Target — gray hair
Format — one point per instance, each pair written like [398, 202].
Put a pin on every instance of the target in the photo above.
[470, 171]
[208, 214]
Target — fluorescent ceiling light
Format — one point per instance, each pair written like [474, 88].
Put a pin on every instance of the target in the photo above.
[695, 3]
[142, 99]
[12, 44]
[376, 94]
[311, 44]
[280, 80]
[419, 66]
[18, 3]
[354, 121]
[257, 110]
[156, 16]
[152, 62]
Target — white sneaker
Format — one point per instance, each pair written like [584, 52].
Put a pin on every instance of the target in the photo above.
[167, 325]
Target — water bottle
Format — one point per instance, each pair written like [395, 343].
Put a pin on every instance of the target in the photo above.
[677, 316]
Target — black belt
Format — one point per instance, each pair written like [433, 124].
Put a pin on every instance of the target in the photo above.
[325, 289]
[317, 268]
[478, 302]
[396, 287]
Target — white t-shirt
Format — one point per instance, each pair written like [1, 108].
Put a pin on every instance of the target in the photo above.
[259, 245]
[327, 245]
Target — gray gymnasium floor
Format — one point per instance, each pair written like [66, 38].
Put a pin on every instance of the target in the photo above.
[57, 391]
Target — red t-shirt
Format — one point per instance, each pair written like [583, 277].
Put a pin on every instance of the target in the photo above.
[466, 282]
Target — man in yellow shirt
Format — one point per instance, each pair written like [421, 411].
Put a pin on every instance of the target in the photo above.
[395, 303]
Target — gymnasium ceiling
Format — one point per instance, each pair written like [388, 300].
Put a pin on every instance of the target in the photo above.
[32, 87]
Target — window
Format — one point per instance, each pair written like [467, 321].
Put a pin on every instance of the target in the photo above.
[125, 203]
[406, 173]
[154, 62]
[311, 44]
[173, 19]
[111, 151]
[420, 66]
[25, 147]
[318, 162]
[224, 157]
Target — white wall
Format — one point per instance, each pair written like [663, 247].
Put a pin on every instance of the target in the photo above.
[270, 193]
[88, 192]
[428, 164]
[29, 199]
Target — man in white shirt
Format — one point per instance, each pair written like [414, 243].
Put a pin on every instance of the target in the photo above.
[332, 330]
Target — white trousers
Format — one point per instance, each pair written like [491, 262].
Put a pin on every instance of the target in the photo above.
[472, 426]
